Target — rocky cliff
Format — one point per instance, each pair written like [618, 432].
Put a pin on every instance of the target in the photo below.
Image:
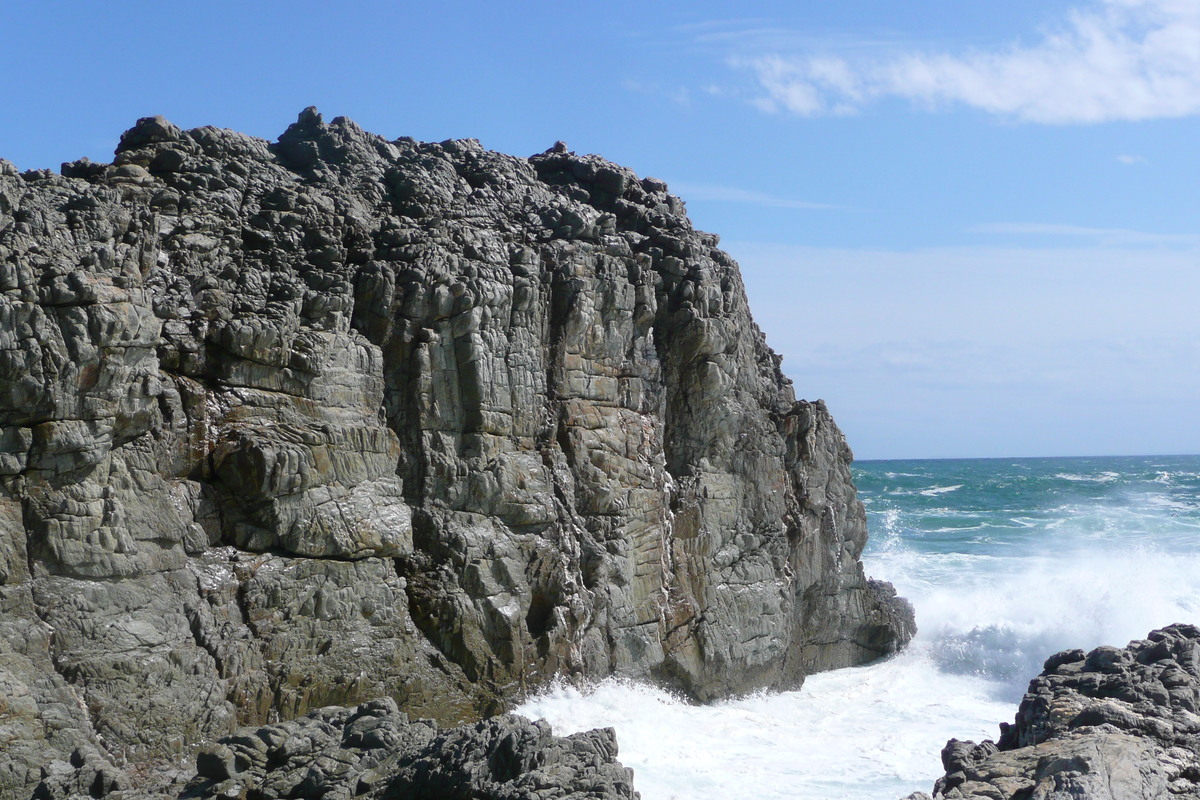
[339, 418]
[1112, 724]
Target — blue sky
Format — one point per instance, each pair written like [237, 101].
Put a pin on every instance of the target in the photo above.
[971, 227]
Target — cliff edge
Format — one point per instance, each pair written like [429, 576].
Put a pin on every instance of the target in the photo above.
[338, 418]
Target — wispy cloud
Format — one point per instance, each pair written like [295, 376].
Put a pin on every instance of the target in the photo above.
[1102, 236]
[988, 350]
[679, 95]
[1131, 160]
[1109, 60]
[1006, 292]
[759, 34]
[733, 194]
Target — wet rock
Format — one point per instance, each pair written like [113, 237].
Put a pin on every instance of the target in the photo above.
[1112, 724]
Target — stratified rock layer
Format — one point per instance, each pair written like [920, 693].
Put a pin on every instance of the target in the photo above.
[337, 418]
[1112, 724]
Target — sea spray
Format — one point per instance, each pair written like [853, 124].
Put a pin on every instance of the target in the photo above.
[861, 734]
[1006, 561]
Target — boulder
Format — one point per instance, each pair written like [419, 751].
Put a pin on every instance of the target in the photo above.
[1111, 724]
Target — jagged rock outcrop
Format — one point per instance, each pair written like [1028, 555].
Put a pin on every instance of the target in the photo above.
[374, 752]
[338, 418]
[1112, 724]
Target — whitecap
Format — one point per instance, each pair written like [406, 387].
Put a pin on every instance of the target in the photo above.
[936, 490]
[1103, 477]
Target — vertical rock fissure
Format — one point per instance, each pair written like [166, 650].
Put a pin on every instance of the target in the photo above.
[427, 421]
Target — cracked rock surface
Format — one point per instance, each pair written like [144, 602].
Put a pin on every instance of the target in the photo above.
[1112, 724]
[375, 752]
[308, 423]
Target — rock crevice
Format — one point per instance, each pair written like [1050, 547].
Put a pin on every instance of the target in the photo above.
[286, 425]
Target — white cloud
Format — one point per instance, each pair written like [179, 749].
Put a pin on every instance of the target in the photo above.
[733, 194]
[1112, 60]
[1131, 160]
[1102, 236]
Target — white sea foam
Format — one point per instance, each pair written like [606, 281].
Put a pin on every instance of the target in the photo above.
[992, 603]
[1001, 621]
[858, 734]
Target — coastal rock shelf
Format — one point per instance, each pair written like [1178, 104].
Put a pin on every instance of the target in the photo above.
[374, 752]
[1112, 724]
[337, 418]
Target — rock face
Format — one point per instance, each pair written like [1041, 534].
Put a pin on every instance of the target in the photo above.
[375, 752]
[338, 418]
[1112, 724]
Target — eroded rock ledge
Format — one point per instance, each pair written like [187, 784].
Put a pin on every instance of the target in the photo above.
[1112, 724]
[338, 418]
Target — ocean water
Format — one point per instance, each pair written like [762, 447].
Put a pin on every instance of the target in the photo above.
[1006, 561]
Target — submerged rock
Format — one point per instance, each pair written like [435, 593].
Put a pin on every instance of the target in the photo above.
[1112, 724]
[337, 418]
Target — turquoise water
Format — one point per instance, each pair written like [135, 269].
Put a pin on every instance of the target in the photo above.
[1006, 562]
[1009, 560]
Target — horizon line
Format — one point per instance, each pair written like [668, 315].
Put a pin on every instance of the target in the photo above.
[1025, 458]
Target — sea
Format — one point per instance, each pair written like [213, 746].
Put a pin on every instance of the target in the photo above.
[1006, 561]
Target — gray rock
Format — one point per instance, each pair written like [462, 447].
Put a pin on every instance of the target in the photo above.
[374, 751]
[313, 422]
[1112, 724]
